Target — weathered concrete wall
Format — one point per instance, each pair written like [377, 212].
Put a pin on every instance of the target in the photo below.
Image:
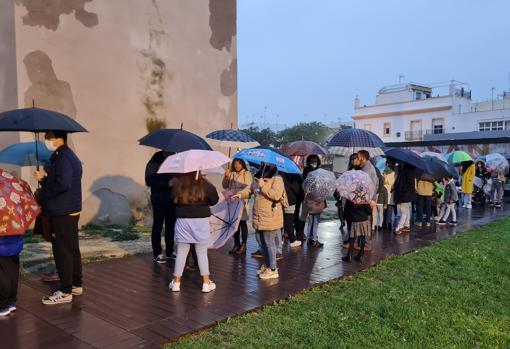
[114, 64]
[8, 82]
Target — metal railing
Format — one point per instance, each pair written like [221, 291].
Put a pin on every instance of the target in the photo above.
[435, 131]
[413, 135]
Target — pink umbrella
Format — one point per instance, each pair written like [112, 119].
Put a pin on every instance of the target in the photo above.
[193, 160]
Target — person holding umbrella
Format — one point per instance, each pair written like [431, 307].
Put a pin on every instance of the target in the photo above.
[163, 208]
[61, 199]
[404, 193]
[270, 199]
[294, 191]
[313, 162]
[235, 180]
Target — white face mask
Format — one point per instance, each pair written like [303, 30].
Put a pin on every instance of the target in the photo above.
[50, 145]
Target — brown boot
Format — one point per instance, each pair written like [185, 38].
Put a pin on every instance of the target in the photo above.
[241, 251]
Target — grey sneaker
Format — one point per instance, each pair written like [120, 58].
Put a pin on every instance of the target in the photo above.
[269, 274]
[57, 298]
[206, 288]
[296, 243]
[174, 286]
[261, 269]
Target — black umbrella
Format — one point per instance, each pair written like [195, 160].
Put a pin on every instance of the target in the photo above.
[174, 140]
[438, 169]
[38, 120]
[409, 157]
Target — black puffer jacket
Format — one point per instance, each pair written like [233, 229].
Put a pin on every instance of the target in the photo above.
[293, 187]
[161, 193]
[404, 187]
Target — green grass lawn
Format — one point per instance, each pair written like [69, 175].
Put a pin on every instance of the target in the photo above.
[454, 294]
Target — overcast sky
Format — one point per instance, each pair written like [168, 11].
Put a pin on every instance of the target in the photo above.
[307, 59]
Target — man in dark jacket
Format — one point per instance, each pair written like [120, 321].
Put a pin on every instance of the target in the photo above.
[61, 199]
[313, 162]
[294, 191]
[405, 193]
[163, 208]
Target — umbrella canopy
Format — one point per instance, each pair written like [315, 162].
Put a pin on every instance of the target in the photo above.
[355, 186]
[433, 154]
[495, 160]
[319, 184]
[18, 208]
[232, 139]
[438, 169]
[193, 160]
[224, 221]
[458, 156]
[24, 154]
[174, 140]
[409, 157]
[268, 155]
[38, 120]
[352, 140]
[304, 148]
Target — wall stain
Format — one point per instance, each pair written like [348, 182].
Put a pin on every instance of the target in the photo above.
[222, 21]
[46, 13]
[228, 81]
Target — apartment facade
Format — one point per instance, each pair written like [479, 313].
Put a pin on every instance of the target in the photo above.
[417, 116]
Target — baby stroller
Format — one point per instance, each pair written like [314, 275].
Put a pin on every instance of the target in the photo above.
[479, 195]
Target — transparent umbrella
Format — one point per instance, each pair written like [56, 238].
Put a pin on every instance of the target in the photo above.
[319, 184]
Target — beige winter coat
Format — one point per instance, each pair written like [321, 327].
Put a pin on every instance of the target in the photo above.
[389, 180]
[267, 209]
[236, 182]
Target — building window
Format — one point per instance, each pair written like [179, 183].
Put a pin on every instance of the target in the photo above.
[492, 126]
[417, 95]
[387, 129]
[438, 126]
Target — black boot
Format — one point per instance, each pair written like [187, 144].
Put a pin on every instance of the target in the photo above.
[361, 253]
[300, 231]
[348, 256]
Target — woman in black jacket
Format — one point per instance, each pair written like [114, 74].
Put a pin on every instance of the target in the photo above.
[193, 197]
[405, 193]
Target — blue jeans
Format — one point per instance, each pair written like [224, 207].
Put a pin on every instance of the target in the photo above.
[268, 247]
[313, 226]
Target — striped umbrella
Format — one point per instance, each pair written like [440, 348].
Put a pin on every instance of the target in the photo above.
[232, 139]
[352, 140]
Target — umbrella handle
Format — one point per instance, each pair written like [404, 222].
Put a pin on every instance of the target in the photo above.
[36, 134]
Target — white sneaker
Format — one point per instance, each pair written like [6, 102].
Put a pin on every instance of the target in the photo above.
[57, 298]
[206, 288]
[77, 291]
[269, 274]
[261, 269]
[174, 286]
[296, 243]
[469, 206]
[161, 259]
[464, 206]
[5, 312]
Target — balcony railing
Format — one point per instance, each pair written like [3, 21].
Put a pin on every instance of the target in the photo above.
[435, 131]
[413, 135]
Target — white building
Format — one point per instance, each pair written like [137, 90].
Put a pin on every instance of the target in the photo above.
[416, 116]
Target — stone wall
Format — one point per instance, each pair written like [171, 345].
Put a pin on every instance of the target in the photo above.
[119, 67]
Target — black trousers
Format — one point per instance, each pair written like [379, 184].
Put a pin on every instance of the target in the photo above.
[288, 226]
[66, 251]
[242, 231]
[163, 214]
[9, 276]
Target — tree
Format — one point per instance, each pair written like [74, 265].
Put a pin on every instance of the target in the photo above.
[311, 131]
[265, 136]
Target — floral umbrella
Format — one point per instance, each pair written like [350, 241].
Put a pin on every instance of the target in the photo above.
[355, 186]
[18, 208]
[319, 184]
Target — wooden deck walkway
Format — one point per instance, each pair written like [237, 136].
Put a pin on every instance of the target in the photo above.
[127, 303]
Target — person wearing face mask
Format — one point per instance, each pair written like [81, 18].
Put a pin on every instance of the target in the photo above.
[163, 208]
[61, 201]
[313, 162]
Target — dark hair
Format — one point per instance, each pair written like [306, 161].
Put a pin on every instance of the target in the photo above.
[351, 161]
[365, 154]
[266, 171]
[59, 134]
[243, 164]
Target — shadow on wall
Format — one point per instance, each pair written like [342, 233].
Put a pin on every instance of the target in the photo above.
[116, 200]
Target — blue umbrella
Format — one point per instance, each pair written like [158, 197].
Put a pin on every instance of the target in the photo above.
[24, 154]
[174, 140]
[409, 157]
[230, 136]
[261, 155]
[349, 141]
[38, 120]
